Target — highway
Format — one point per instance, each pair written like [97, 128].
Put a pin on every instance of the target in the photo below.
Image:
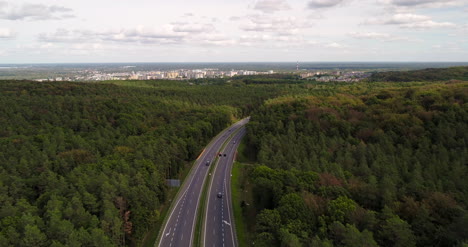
[218, 227]
[179, 227]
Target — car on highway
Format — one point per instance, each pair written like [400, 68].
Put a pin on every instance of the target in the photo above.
[207, 163]
[234, 142]
[224, 155]
[219, 195]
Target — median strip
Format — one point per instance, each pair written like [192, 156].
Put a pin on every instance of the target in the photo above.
[200, 236]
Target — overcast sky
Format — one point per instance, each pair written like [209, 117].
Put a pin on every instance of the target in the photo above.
[55, 31]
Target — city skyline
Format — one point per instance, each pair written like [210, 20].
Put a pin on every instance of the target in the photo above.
[50, 31]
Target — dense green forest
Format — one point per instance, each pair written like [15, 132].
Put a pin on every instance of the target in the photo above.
[337, 164]
[369, 166]
[444, 74]
[84, 164]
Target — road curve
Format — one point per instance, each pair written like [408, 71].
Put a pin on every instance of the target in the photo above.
[218, 226]
[179, 227]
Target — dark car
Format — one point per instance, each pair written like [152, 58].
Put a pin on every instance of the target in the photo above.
[220, 155]
[207, 162]
[219, 195]
[224, 155]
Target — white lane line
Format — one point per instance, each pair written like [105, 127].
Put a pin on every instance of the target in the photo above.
[198, 202]
[228, 204]
[242, 122]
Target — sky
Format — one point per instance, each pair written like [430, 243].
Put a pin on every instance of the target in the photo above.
[85, 31]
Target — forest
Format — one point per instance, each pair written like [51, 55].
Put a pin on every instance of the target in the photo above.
[445, 74]
[331, 164]
[84, 164]
[384, 166]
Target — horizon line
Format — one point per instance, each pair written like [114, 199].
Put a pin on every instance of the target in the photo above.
[214, 62]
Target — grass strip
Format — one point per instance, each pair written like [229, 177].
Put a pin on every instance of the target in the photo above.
[237, 197]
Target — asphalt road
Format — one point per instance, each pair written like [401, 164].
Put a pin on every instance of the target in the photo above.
[218, 227]
[178, 231]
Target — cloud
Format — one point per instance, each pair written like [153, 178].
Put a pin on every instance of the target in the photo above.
[283, 26]
[270, 6]
[371, 35]
[412, 21]
[6, 33]
[318, 4]
[378, 36]
[63, 36]
[34, 12]
[174, 34]
[186, 27]
[335, 45]
[138, 35]
[412, 2]
[424, 3]
[406, 18]
[211, 39]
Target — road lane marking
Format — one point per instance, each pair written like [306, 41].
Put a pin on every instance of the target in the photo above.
[220, 162]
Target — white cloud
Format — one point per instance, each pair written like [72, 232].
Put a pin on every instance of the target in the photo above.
[374, 36]
[408, 20]
[317, 4]
[282, 26]
[270, 6]
[139, 35]
[214, 40]
[369, 35]
[6, 33]
[412, 2]
[174, 34]
[428, 24]
[402, 19]
[335, 45]
[187, 27]
[424, 3]
[34, 12]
